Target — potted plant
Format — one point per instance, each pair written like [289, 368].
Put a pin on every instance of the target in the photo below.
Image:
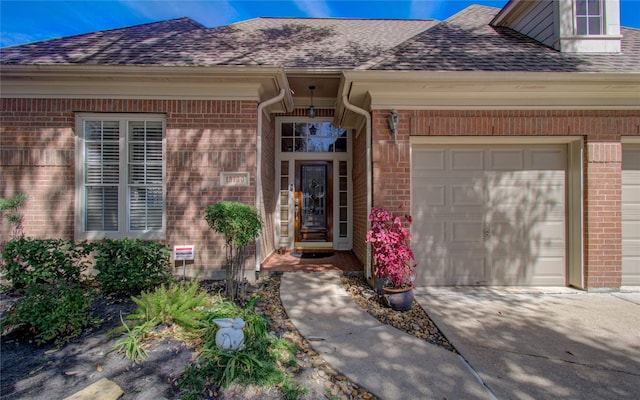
[392, 257]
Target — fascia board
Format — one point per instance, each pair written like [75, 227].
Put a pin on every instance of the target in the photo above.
[93, 81]
[512, 9]
[494, 90]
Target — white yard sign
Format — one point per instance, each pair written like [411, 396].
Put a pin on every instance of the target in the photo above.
[185, 252]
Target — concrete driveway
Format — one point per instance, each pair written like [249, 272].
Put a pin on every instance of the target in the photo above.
[543, 343]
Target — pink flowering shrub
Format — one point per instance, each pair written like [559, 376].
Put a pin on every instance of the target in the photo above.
[392, 254]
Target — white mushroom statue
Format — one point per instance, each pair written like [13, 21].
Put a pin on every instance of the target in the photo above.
[230, 335]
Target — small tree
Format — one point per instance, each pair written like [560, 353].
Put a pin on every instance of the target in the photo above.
[240, 224]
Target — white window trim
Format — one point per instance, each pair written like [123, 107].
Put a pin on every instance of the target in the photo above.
[123, 214]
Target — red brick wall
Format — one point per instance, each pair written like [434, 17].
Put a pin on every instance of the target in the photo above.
[603, 213]
[204, 138]
[37, 159]
[602, 169]
[391, 165]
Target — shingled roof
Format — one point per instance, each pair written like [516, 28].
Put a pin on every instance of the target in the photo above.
[289, 42]
[464, 42]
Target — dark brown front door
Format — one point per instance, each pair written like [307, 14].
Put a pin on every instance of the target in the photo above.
[313, 201]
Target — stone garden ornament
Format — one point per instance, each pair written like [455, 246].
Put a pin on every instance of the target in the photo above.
[230, 335]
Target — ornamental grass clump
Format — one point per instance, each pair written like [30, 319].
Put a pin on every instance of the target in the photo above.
[390, 243]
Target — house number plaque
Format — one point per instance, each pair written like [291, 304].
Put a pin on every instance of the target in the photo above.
[234, 179]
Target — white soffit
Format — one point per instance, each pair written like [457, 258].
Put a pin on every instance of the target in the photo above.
[493, 90]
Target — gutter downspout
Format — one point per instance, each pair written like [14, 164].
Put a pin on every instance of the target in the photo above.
[261, 107]
[367, 116]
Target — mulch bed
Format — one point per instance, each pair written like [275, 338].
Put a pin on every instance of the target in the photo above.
[46, 372]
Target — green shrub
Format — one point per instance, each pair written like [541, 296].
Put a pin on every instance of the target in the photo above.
[35, 261]
[55, 312]
[240, 224]
[131, 266]
[11, 210]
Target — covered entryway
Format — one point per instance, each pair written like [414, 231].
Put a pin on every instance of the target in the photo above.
[314, 187]
[489, 214]
[630, 214]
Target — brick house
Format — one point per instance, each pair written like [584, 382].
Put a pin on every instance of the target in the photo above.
[512, 136]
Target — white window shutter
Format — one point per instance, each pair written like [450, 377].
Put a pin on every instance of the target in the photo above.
[145, 165]
[101, 175]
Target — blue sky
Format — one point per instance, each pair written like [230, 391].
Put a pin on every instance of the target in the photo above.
[24, 21]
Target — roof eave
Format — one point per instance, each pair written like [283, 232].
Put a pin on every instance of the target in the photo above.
[505, 12]
[255, 83]
[491, 90]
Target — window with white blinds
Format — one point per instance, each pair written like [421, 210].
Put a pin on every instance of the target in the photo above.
[123, 176]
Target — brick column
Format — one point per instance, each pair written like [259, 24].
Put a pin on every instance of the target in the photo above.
[603, 215]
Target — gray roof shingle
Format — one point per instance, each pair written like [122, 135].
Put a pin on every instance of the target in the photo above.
[464, 42]
[289, 42]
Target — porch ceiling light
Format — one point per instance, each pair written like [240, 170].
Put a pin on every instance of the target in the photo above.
[393, 119]
[312, 110]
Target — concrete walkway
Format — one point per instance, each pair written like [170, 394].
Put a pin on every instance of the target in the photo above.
[386, 361]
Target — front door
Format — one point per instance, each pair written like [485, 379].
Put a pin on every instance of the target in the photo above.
[313, 201]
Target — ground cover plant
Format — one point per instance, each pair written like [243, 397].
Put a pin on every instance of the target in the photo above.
[262, 361]
[183, 311]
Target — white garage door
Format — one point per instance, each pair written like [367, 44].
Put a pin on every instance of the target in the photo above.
[489, 215]
[631, 214]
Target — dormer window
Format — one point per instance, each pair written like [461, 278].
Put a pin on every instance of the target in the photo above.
[589, 17]
[569, 26]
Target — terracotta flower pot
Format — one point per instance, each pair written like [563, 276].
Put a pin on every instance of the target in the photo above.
[399, 299]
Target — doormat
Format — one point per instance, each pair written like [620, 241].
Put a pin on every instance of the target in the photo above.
[311, 254]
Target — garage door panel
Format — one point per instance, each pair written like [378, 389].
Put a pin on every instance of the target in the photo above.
[488, 218]
[631, 232]
[528, 270]
[433, 196]
[466, 232]
[467, 195]
[466, 160]
[468, 269]
[506, 160]
[550, 232]
[547, 159]
[462, 269]
[430, 233]
[631, 270]
[503, 232]
[429, 160]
